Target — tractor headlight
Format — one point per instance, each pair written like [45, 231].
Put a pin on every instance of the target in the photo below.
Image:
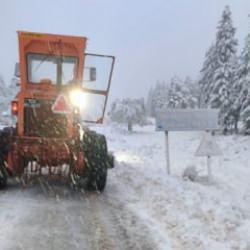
[78, 98]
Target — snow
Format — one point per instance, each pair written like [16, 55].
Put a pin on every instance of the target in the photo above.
[142, 207]
[192, 215]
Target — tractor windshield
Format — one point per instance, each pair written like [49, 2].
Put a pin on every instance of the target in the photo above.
[60, 70]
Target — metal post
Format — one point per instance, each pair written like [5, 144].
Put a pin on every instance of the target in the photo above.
[209, 171]
[167, 152]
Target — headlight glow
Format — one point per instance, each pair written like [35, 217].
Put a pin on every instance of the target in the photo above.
[78, 98]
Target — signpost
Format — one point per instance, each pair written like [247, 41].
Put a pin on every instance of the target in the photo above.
[167, 152]
[185, 120]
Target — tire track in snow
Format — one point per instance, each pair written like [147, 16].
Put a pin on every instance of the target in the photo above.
[173, 240]
[71, 221]
[46, 223]
[101, 237]
[123, 227]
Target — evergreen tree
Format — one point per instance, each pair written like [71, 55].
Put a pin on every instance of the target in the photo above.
[242, 103]
[234, 110]
[176, 96]
[225, 49]
[207, 76]
[193, 92]
[182, 94]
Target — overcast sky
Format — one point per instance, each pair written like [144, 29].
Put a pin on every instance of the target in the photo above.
[151, 39]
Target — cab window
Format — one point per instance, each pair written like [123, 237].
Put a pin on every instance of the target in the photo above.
[60, 70]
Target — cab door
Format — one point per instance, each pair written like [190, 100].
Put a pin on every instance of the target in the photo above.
[98, 70]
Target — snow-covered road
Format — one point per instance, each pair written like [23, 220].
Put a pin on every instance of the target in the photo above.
[142, 207]
[32, 220]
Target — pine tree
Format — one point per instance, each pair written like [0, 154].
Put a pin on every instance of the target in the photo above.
[176, 94]
[243, 101]
[193, 92]
[207, 76]
[234, 110]
[225, 49]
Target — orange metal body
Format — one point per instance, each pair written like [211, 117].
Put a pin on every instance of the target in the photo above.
[46, 44]
[46, 151]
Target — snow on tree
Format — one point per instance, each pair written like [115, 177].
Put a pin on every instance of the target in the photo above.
[7, 94]
[242, 103]
[2, 92]
[180, 94]
[3, 100]
[194, 92]
[149, 107]
[159, 97]
[207, 76]
[176, 94]
[129, 111]
[234, 108]
[225, 49]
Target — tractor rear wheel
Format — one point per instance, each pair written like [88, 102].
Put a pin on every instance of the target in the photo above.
[96, 160]
[3, 150]
[3, 174]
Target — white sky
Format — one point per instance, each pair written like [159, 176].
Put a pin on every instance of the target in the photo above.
[151, 39]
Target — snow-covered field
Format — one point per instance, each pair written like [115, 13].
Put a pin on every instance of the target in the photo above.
[142, 207]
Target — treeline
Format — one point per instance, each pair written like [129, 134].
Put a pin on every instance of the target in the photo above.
[177, 93]
[224, 82]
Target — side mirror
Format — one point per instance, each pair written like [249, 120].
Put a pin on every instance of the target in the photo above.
[17, 70]
[92, 74]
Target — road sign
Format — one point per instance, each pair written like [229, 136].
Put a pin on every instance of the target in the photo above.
[61, 105]
[187, 120]
[208, 147]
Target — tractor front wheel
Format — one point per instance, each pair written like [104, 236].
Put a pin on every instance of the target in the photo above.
[96, 160]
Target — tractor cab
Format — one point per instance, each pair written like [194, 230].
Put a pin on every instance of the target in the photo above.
[52, 66]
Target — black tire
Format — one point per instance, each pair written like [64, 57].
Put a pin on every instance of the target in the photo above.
[96, 160]
[3, 175]
[3, 150]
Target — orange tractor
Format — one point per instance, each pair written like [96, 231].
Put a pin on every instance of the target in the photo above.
[61, 87]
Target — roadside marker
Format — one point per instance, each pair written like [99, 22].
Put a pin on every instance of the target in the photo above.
[208, 147]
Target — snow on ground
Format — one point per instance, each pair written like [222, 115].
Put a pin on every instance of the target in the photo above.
[191, 215]
[142, 207]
